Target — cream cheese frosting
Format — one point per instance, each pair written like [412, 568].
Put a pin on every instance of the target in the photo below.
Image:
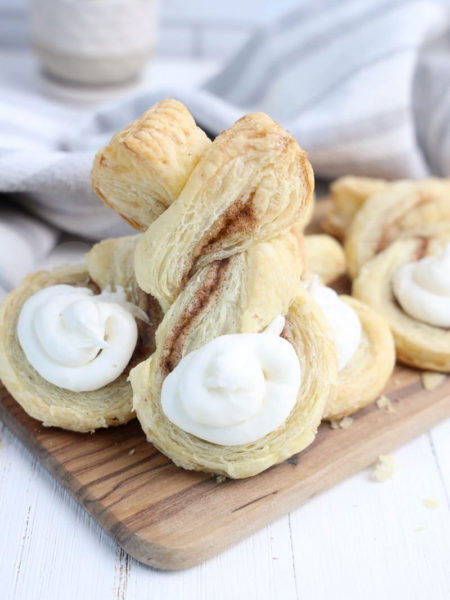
[235, 389]
[343, 319]
[75, 339]
[422, 289]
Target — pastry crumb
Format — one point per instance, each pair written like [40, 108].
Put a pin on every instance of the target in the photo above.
[429, 503]
[384, 402]
[132, 451]
[432, 380]
[343, 423]
[419, 529]
[220, 478]
[384, 468]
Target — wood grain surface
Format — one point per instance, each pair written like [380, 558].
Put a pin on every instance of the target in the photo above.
[173, 519]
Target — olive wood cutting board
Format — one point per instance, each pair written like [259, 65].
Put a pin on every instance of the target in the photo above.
[172, 519]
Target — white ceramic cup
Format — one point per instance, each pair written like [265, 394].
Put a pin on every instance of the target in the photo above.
[94, 42]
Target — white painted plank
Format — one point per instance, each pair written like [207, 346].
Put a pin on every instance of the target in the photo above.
[259, 567]
[371, 540]
[50, 546]
[440, 443]
[361, 537]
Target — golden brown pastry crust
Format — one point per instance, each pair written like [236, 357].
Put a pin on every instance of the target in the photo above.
[54, 406]
[363, 379]
[325, 257]
[145, 166]
[348, 194]
[417, 344]
[399, 209]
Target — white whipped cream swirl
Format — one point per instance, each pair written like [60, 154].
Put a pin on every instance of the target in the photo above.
[235, 389]
[423, 289]
[343, 319]
[75, 339]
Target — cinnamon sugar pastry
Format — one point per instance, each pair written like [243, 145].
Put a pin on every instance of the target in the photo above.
[399, 209]
[348, 194]
[110, 404]
[412, 291]
[145, 166]
[224, 263]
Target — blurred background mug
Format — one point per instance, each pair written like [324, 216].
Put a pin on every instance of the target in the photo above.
[94, 42]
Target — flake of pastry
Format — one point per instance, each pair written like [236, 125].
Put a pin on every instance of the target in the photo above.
[235, 389]
[384, 468]
[75, 339]
[343, 423]
[430, 503]
[423, 289]
[384, 402]
[432, 380]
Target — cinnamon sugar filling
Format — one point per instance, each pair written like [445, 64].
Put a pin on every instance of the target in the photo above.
[207, 292]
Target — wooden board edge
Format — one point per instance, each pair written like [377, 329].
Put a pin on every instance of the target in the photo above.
[174, 558]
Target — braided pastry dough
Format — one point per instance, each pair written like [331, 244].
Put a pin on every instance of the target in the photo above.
[417, 343]
[109, 263]
[398, 209]
[224, 258]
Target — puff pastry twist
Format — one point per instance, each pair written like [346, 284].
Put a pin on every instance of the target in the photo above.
[224, 257]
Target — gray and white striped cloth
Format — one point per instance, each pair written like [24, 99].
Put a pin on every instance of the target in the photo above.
[363, 85]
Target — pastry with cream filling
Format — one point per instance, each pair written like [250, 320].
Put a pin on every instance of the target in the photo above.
[409, 284]
[69, 337]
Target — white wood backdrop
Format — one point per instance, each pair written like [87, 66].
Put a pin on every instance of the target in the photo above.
[358, 540]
